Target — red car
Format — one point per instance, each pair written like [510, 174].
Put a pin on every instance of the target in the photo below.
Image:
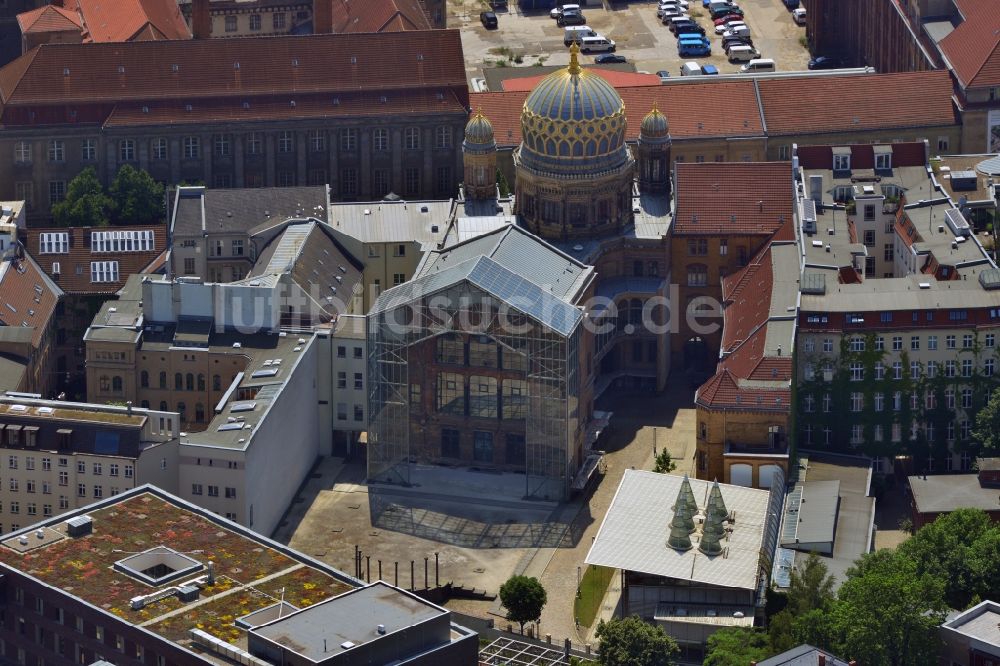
[728, 17]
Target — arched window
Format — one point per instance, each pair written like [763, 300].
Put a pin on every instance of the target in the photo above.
[216, 383]
[144, 379]
[201, 382]
[442, 137]
[190, 381]
[163, 406]
[697, 275]
[163, 380]
[105, 382]
[144, 404]
[116, 384]
[182, 410]
[199, 412]
[178, 381]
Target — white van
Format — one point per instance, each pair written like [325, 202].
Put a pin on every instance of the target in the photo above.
[741, 53]
[575, 33]
[690, 69]
[758, 65]
[597, 44]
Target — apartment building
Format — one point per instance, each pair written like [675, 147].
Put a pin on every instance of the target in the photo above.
[364, 140]
[348, 393]
[58, 456]
[147, 579]
[213, 232]
[29, 325]
[899, 313]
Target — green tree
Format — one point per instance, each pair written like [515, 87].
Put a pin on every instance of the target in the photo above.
[960, 549]
[736, 646]
[987, 430]
[85, 205]
[663, 463]
[889, 612]
[138, 198]
[632, 642]
[524, 598]
[811, 587]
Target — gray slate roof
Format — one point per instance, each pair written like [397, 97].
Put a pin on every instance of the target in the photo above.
[235, 210]
[803, 655]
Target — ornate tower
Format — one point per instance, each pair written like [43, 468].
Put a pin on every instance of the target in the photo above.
[479, 156]
[654, 153]
[574, 170]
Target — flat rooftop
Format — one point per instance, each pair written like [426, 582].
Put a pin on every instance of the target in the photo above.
[979, 165]
[981, 623]
[251, 571]
[636, 527]
[62, 411]
[425, 222]
[323, 629]
[941, 493]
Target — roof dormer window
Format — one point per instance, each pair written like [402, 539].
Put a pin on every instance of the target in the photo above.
[841, 159]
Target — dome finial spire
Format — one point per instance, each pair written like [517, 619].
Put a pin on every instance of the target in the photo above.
[574, 59]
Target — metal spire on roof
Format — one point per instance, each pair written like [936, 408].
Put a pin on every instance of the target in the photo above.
[687, 496]
[713, 531]
[715, 501]
[680, 527]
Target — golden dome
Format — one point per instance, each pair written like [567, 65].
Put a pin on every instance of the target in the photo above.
[479, 131]
[573, 121]
[654, 125]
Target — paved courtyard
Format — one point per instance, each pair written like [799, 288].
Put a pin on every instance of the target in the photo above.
[481, 542]
[640, 36]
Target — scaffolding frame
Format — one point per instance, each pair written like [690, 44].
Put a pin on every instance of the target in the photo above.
[410, 317]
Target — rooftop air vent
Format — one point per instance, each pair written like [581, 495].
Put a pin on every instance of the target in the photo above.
[79, 526]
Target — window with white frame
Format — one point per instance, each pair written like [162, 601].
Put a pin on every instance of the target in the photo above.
[380, 139]
[192, 147]
[317, 141]
[57, 191]
[88, 150]
[842, 162]
[857, 402]
[857, 372]
[126, 150]
[159, 149]
[828, 345]
[285, 141]
[349, 139]
[57, 150]
[122, 241]
[223, 145]
[883, 161]
[104, 271]
[22, 152]
[411, 138]
[254, 143]
[442, 137]
[53, 243]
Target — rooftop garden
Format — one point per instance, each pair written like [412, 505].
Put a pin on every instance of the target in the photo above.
[84, 568]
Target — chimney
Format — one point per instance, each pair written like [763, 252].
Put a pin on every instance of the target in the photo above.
[201, 19]
[322, 17]
[821, 660]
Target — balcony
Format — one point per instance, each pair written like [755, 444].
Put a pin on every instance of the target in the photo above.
[777, 448]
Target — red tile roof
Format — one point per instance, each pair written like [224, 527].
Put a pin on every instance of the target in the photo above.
[750, 198]
[379, 16]
[27, 297]
[684, 106]
[824, 104]
[747, 295]
[612, 76]
[74, 266]
[126, 20]
[63, 74]
[911, 153]
[973, 48]
[396, 104]
[721, 392]
[49, 18]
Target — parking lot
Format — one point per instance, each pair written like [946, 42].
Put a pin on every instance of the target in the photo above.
[535, 39]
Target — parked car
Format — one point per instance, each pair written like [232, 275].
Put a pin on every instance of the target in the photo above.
[736, 41]
[691, 28]
[558, 10]
[709, 70]
[690, 69]
[663, 74]
[672, 5]
[737, 31]
[687, 49]
[671, 15]
[728, 17]
[719, 12]
[488, 19]
[694, 39]
[799, 15]
[571, 18]
[609, 58]
[824, 62]
[728, 25]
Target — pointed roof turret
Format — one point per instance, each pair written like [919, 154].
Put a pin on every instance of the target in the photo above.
[715, 501]
[713, 531]
[680, 527]
[687, 495]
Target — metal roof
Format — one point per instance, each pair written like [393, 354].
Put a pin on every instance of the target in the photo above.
[814, 515]
[634, 533]
[393, 221]
[942, 493]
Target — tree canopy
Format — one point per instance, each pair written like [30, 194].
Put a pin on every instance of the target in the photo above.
[138, 198]
[987, 426]
[736, 646]
[85, 205]
[664, 464]
[633, 642]
[524, 598]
